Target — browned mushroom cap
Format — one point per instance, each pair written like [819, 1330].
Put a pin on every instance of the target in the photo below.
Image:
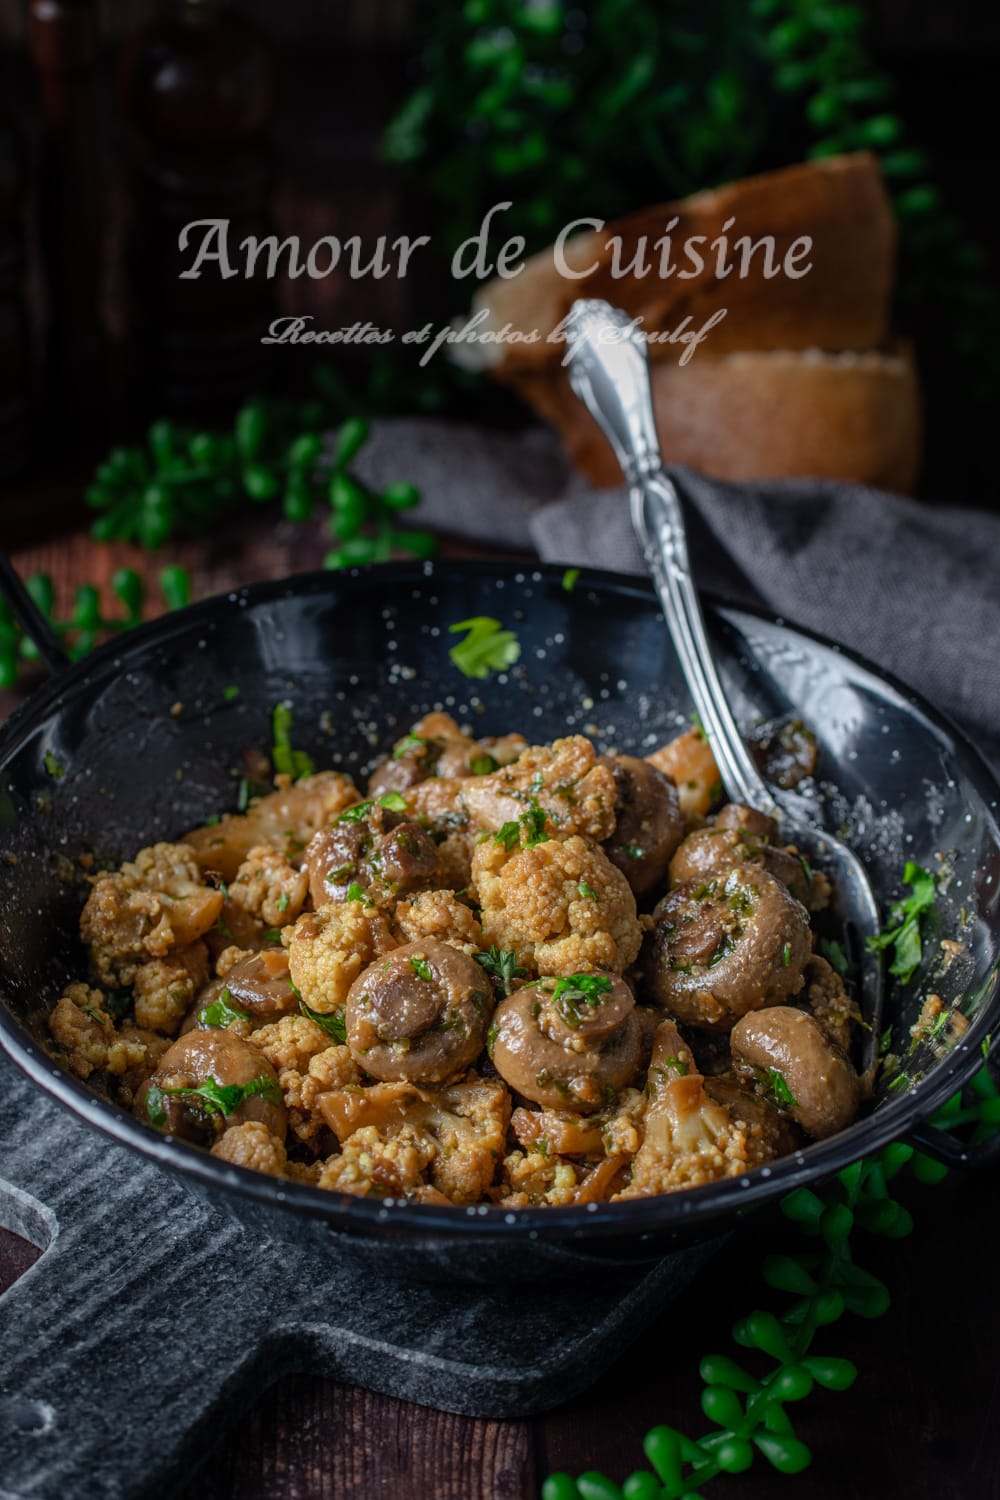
[419, 1014]
[367, 853]
[738, 836]
[235, 1080]
[648, 821]
[724, 946]
[568, 1043]
[789, 1059]
[261, 983]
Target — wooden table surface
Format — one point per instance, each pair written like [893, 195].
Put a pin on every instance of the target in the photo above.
[921, 1423]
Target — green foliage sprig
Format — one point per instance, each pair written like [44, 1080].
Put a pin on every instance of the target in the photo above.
[87, 623]
[745, 1400]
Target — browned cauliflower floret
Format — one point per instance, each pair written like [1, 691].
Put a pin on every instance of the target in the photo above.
[562, 906]
[532, 1179]
[689, 1138]
[252, 1145]
[80, 1024]
[829, 1003]
[291, 1042]
[562, 781]
[615, 1131]
[329, 948]
[267, 887]
[469, 1123]
[155, 903]
[285, 819]
[333, 1068]
[439, 914]
[228, 959]
[165, 987]
[373, 1166]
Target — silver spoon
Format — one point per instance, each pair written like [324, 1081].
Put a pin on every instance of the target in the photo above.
[608, 369]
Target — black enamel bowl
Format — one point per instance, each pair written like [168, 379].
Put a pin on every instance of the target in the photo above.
[102, 759]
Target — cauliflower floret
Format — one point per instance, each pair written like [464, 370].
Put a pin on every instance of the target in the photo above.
[469, 1123]
[79, 1023]
[252, 1145]
[372, 1166]
[164, 988]
[268, 888]
[532, 1179]
[291, 1042]
[439, 914]
[562, 906]
[333, 1068]
[563, 780]
[329, 948]
[689, 1139]
[228, 959]
[829, 1003]
[285, 819]
[155, 903]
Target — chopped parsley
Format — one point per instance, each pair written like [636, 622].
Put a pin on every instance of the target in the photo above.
[411, 742]
[482, 765]
[243, 795]
[677, 1064]
[333, 1024]
[393, 801]
[501, 965]
[786, 954]
[357, 892]
[492, 1032]
[211, 821]
[272, 934]
[528, 830]
[587, 891]
[569, 579]
[778, 1090]
[509, 835]
[285, 759]
[574, 990]
[422, 969]
[635, 851]
[903, 930]
[230, 692]
[487, 647]
[214, 1097]
[356, 813]
[222, 1012]
[835, 954]
[282, 902]
[53, 765]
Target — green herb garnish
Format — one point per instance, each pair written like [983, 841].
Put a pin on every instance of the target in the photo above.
[422, 969]
[492, 1031]
[222, 1012]
[333, 1024]
[569, 579]
[230, 692]
[482, 765]
[587, 891]
[243, 795]
[487, 647]
[777, 1088]
[786, 954]
[357, 892]
[356, 813]
[53, 765]
[634, 851]
[411, 742]
[286, 760]
[393, 801]
[282, 902]
[509, 835]
[501, 965]
[216, 1098]
[835, 955]
[905, 921]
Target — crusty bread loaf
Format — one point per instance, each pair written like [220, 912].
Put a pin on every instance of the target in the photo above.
[842, 303]
[763, 414]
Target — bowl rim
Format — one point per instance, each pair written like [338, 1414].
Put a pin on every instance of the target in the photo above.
[639, 1218]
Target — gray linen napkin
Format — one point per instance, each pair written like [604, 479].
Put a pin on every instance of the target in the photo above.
[915, 589]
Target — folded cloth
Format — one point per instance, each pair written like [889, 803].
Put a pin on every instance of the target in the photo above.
[913, 588]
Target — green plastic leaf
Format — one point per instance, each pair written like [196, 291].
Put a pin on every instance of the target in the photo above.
[352, 436]
[787, 1274]
[834, 1374]
[718, 1369]
[802, 1206]
[721, 1406]
[786, 1454]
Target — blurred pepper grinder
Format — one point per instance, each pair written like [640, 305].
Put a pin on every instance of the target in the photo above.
[198, 90]
[64, 36]
[15, 352]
